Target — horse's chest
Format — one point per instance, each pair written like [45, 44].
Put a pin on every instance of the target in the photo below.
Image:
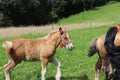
[47, 52]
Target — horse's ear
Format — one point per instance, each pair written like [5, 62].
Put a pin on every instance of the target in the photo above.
[60, 30]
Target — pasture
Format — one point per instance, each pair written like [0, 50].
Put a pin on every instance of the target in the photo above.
[76, 65]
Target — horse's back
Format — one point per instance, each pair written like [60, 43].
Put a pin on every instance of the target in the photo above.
[17, 42]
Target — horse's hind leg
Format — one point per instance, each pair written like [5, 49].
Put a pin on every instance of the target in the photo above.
[7, 69]
[57, 63]
[97, 69]
[109, 72]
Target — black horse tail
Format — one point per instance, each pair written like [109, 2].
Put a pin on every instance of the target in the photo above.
[93, 47]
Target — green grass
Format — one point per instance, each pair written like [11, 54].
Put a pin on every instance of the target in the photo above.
[107, 13]
[76, 65]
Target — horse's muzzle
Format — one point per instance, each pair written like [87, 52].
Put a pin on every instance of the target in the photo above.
[69, 46]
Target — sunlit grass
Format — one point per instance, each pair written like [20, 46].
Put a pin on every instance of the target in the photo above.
[107, 13]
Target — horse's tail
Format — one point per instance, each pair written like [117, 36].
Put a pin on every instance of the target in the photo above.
[93, 47]
[8, 45]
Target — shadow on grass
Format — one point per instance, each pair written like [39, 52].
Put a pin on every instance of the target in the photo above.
[83, 77]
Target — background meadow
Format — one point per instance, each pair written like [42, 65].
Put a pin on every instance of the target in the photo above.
[76, 65]
[107, 13]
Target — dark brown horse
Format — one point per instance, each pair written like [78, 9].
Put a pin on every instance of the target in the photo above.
[97, 46]
[42, 49]
[108, 48]
[112, 45]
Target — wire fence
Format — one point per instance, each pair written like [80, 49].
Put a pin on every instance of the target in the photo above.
[16, 31]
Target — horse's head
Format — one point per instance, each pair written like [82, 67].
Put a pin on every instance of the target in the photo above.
[65, 39]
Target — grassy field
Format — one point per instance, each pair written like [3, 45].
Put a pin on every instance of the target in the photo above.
[76, 65]
[107, 13]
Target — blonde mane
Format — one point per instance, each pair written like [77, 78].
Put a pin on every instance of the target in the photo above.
[47, 36]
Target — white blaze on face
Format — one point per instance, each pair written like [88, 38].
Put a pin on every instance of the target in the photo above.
[69, 46]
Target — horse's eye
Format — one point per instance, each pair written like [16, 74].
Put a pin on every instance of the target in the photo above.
[65, 38]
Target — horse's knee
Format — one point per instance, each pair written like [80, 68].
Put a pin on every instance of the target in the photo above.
[9, 66]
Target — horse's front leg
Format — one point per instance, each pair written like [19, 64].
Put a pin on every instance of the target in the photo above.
[57, 63]
[44, 63]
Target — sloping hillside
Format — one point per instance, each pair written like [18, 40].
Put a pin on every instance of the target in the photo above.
[107, 13]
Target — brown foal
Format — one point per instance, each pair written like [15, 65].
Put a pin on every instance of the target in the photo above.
[42, 49]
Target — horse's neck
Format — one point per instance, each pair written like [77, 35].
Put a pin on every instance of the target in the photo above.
[54, 39]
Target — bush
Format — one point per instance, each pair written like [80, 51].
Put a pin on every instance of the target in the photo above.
[25, 12]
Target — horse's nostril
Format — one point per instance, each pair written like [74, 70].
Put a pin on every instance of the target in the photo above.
[71, 48]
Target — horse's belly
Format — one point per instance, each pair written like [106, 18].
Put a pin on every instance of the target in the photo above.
[28, 58]
[32, 57]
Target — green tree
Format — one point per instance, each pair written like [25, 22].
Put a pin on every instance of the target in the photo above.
[36, 12]
[25, 12]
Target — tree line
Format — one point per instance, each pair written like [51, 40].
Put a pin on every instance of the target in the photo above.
[37, 12]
